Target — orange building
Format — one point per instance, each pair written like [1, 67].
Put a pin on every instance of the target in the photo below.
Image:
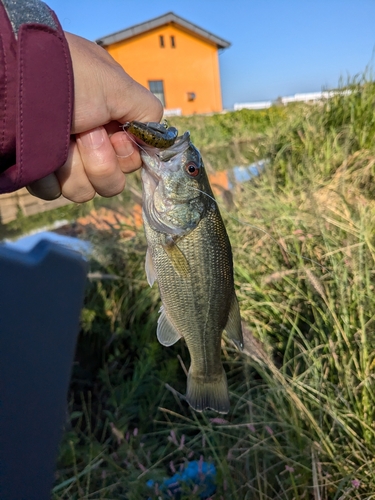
[177, 60]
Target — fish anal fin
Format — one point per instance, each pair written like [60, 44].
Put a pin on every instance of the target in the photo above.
[166, 333]
[149, 267]
[233, 328]
[178, 259]
[213, 394]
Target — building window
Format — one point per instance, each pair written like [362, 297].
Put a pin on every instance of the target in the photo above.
[191, 96]
[157, 88]
[161, 40]
[173, 43]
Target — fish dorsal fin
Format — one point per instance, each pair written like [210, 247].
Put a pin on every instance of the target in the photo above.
[233, 327]
[149, 267]
[166, 332]
[178, 260]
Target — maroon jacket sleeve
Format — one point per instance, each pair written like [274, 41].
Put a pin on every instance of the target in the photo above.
[36, 93]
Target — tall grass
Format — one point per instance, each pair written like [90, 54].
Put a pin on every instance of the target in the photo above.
[218, 130]
[315, 319]
[322, 138]
[301, 424]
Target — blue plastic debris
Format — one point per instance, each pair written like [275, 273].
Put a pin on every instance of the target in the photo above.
[26, 243]
[202, 474]
[246, 173]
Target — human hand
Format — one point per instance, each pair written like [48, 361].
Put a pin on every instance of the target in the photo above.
[105, 97]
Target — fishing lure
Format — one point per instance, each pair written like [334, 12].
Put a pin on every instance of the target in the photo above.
[158, 135]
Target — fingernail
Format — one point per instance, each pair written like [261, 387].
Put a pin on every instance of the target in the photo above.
[124, 148]
[92, 139]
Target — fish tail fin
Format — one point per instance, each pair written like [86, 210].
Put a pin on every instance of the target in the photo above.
[212, 394]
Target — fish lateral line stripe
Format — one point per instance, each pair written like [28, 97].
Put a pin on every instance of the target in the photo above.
[205, 330]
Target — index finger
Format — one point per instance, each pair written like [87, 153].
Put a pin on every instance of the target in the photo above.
[127, 152]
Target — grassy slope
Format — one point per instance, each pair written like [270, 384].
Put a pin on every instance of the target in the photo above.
[301, 425]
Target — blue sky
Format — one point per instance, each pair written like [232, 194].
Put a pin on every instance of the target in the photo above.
[279, 47]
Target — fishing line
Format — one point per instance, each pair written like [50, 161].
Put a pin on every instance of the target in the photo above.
[261, 230]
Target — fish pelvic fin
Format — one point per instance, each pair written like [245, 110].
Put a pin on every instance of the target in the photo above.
[150, 269]
[178, 260]
[211, 394]
[166, 333]
[233, 328]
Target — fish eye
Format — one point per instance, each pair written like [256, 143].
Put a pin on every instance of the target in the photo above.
[192, 169]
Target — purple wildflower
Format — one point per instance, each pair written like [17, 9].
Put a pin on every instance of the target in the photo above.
[142, 467]
[173, 438]
[356, 484]
[200, 464]
[218, 420]
[182, 442]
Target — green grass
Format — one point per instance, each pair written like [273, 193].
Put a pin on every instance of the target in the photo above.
[217, 130]
[301, 424]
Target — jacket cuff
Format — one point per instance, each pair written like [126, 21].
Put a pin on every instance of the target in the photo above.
[43, 103]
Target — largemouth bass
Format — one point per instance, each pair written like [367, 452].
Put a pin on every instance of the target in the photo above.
[189, 254]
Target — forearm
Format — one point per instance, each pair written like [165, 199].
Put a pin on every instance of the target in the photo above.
[36, 93]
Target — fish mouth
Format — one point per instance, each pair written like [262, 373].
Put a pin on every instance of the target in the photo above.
[152, 167]
[155, 162]
[181, 144]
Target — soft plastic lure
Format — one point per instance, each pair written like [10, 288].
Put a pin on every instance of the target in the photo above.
[158, 135]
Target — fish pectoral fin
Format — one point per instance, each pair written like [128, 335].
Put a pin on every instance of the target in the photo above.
[166, 333]
[178, 260]
[150, 269]
[233, 328]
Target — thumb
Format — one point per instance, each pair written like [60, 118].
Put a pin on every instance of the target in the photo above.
[135, 102]
[47, 188]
